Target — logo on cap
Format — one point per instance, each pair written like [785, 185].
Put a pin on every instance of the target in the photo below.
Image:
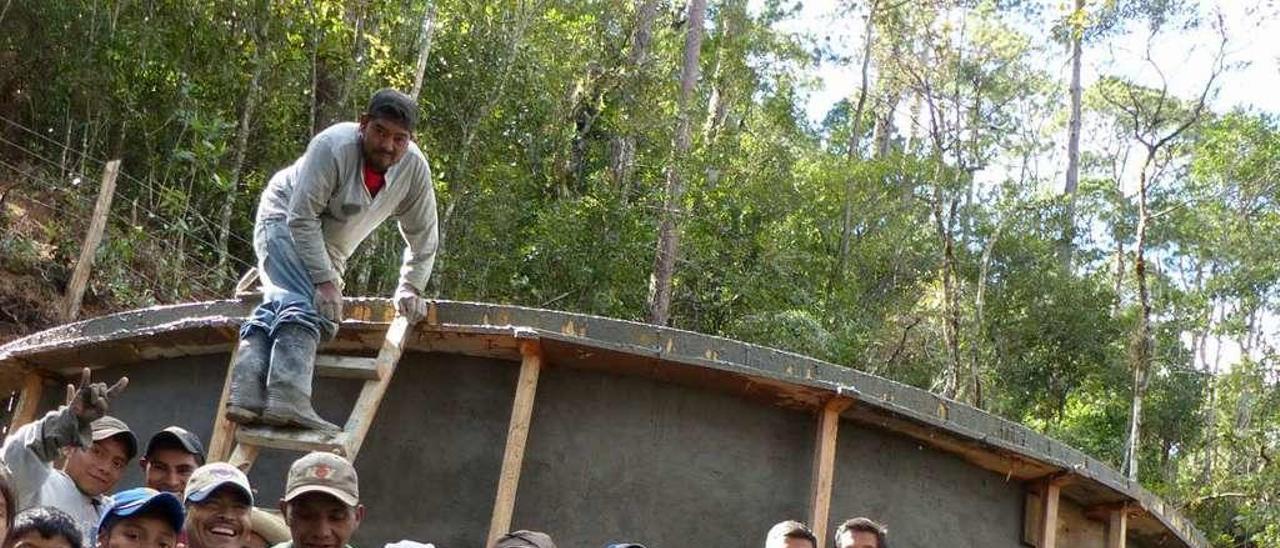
[321, 471]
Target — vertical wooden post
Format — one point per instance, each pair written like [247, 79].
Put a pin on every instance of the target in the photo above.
[824, 458]
[224, 431]
[80, 277]
[517, 435]
[1117, 528]
[28, 401]
[1049, 492]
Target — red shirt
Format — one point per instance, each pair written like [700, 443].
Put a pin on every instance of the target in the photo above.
[373, 180]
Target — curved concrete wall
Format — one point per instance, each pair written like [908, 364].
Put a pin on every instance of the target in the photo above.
[610, 458]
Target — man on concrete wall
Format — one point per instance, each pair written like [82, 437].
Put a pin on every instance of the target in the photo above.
[97, 447]
[861, 533]
[790, 534]
[171, 456]
[312, 215]
[321, 503]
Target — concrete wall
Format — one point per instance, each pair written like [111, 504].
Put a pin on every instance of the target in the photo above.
[610, 458]
[924, 497]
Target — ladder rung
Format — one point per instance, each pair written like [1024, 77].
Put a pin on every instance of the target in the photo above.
[291, 439]
[346, 367]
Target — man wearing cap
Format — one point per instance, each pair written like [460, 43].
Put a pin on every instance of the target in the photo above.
[219, 501]
[312, 215]
[141, 518]
[97, 447]
[321, 503]
[171, 456]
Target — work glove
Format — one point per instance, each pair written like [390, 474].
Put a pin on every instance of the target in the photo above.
[409, 304]
[91, 400]
[329, 301]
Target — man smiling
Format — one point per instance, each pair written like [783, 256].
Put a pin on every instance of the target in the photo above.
[218, 502]
[97, 448]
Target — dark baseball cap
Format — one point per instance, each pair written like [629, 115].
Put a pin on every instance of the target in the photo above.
[111, 427]
[525, 539]
[393, 104]
[181, 437]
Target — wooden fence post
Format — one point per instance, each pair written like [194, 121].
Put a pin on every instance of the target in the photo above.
[80, 277]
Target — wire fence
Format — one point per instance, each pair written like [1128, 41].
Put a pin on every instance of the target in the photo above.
[155, 234]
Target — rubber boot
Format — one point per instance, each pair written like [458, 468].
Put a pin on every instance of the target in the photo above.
[293, 360]
[248, 394]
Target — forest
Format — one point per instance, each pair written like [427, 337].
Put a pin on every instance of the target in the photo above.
[1023, 205]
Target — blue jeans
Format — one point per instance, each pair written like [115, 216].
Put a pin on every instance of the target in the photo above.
[288, 295]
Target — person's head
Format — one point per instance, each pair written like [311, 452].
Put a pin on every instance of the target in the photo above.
[43, 527]
[141, 518]
[790, 534]
[861, 533]
[96, 469]
[386, 127]
[219, 500]
[171, 456]
[266, 529]
[321, 501]
[524, 539]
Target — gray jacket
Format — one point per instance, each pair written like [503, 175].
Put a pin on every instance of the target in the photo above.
[329, 212]
[28, 452]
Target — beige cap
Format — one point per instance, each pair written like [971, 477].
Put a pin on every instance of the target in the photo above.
[323, 473]
[110, 427]
[213, 476]
[268, 526]
[525, 539]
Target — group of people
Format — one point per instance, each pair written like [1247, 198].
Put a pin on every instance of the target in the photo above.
[859, 532]
[57, 473]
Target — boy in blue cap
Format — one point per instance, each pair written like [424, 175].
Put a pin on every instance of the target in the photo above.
[141, 518]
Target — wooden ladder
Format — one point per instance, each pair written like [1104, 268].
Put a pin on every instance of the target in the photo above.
[376, 373]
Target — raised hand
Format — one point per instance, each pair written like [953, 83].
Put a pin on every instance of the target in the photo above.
[91, 400]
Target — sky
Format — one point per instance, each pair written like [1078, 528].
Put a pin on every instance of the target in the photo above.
[1253, 28]
[1185, 57]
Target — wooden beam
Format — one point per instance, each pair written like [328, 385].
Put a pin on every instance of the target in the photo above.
[80, 276]
[1117, 528]
[224, 431]
[824, 459]
[1050, 490]
[28, 401]
[517, 435]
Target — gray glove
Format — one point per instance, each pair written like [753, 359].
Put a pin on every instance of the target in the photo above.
[409, 304]
[91, 400]
[329, 301]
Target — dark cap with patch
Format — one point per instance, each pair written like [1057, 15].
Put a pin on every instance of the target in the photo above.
[525, 539]
[390, 104]
[111, 427]
[175, 436]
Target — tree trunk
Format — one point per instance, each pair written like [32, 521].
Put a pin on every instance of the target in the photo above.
[1073, 143]
[349, 81]
[424, 48]
[1142, 344]
[855, 138]
[668, 231]
[315, 69]
[242, 140]
[623, 153]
